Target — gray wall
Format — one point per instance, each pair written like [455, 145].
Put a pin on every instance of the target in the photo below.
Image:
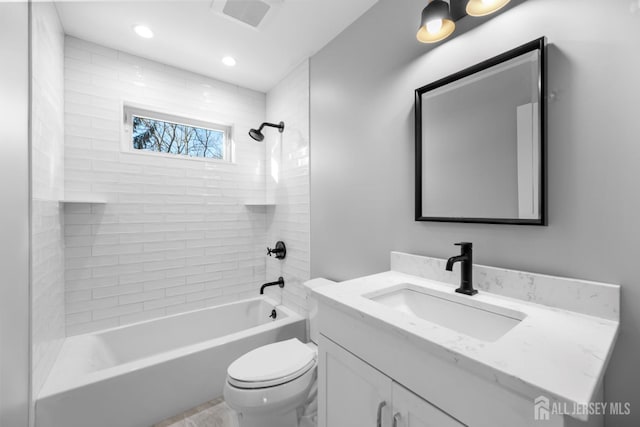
[14, 215]
[362, 174]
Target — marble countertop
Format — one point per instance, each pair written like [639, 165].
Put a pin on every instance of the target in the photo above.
[553, 351]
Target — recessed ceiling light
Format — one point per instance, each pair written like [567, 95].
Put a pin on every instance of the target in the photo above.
[228, 61]
[142, 31]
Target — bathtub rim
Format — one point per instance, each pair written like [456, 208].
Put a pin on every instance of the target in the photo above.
[51, 387]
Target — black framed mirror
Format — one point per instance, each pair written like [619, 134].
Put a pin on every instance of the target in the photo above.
[480, 138]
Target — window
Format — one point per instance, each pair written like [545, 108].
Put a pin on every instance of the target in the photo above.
[154, 132]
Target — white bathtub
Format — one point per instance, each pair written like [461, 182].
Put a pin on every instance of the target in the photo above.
[140, 374]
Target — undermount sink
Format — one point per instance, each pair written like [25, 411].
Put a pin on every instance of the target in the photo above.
[463, 314]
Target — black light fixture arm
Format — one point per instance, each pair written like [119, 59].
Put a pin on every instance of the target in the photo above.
[279, 282]
[448, 12]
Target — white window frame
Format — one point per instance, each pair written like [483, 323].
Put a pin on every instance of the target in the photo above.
[127, 138]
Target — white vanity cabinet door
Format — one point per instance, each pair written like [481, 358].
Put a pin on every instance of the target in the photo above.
[350, 392]
[409, 410]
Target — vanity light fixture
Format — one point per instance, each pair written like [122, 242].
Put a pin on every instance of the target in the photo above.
[439, 16]
[436, 23]
[484, 7]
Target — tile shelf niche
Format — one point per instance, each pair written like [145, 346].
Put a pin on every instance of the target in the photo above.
[84, 198]
[258, 203]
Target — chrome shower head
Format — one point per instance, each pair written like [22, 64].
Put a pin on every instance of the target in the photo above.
[259, 136]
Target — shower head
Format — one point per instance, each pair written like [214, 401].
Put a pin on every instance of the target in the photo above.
[259, 136]
[256, 134]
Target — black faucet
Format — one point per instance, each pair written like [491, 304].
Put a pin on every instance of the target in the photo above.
[279, 282]
[466, 268]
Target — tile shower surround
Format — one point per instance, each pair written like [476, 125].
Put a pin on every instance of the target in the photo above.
[174, 234]
[287, 184]
[47, 187]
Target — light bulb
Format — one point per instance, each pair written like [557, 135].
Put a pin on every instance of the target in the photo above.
[433, 27]
[488, 2]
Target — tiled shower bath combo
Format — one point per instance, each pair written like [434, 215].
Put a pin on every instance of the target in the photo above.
[316, 213]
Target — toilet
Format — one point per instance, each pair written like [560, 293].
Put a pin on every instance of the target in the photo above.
[275, 385]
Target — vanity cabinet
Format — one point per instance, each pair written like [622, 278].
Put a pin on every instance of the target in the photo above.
[513, 357]
[362, 364]
[409, 410]
[353, 393]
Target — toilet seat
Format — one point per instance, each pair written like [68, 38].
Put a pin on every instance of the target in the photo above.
[270, 383]
[271, 365]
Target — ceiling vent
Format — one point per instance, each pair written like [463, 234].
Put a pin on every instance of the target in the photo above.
[251, 12]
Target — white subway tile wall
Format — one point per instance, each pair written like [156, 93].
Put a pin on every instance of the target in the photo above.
[287, 183]
[174, 234]
[47, 187]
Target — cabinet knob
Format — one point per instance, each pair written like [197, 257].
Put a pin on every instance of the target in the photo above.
[379, 417]
[396, 418]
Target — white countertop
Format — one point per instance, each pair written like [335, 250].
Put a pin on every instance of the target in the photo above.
[554, 352]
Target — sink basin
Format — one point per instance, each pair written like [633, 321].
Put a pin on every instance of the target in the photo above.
[476, 319]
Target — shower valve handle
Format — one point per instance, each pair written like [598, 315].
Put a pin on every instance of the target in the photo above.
[280, 251]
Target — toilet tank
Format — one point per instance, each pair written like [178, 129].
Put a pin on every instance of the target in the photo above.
[312, 305]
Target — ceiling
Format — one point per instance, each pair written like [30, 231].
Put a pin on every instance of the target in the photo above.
[195, 35]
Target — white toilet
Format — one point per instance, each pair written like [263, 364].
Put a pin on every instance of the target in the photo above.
[275, 385]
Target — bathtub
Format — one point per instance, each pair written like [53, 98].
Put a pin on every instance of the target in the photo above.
[141, 374]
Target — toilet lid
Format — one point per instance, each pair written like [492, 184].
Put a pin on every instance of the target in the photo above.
[273, 362]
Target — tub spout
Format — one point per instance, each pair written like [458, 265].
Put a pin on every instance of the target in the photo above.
[279, 282]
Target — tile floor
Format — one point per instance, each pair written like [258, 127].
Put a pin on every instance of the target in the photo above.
[214, 413]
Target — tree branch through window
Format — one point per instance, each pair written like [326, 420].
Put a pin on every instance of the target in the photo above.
[174, 138]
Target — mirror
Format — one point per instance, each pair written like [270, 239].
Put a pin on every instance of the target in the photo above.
[480, 141]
